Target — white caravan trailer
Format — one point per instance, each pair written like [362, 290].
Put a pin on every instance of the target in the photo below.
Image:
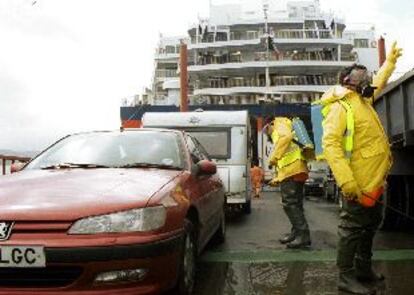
[225, 135]
[264, 151]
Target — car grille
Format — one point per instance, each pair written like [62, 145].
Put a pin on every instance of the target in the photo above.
[35, 227]
[39, 277]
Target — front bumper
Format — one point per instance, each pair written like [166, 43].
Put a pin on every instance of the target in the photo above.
[235, 198]
[314, 189]
[73, 270]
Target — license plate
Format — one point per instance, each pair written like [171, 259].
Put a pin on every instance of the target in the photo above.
[22, 256]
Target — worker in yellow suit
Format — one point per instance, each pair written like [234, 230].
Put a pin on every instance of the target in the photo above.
[256, 178]
[291, 174]
[360, 167]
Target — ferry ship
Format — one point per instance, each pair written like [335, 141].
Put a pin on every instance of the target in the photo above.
[269, 61]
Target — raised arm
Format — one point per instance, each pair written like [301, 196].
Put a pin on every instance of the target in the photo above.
[384, 73]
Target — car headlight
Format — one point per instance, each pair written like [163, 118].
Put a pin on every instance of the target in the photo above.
[136, 220]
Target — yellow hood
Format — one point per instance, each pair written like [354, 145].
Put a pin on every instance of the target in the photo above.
[335, 93]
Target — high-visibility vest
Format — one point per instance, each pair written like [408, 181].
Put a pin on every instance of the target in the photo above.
[348, 140]
[293, 154]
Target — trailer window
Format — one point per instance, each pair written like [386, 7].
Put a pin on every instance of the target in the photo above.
[216, 143]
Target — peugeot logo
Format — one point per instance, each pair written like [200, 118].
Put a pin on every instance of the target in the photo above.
[5, 230]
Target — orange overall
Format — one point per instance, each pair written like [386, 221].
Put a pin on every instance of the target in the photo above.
[256, 176]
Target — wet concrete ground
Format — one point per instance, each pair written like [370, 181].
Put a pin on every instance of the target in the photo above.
[252, 261]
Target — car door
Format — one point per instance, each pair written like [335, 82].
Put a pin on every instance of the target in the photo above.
[205, 199]
[213, 195]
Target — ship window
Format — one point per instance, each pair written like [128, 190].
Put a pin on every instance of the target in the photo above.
[170, 49]
[361, 43]
[235, 36]
[252, 35]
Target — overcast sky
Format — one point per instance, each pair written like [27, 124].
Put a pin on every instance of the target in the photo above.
[65, 65]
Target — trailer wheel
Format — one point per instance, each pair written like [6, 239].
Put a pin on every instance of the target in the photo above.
[247, 207]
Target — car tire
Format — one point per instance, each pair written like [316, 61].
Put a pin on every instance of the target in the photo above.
[188, 256]
[325, 193]
[220, 235]
[247, 207]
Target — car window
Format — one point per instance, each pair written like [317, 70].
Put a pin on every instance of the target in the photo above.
[113, 149]
[196, 154]
[201, 149]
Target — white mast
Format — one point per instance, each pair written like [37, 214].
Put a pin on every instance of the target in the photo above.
[267, 35]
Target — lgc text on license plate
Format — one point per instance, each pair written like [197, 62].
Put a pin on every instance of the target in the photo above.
[22, 256]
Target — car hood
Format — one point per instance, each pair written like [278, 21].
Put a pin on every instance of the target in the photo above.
[70, 194]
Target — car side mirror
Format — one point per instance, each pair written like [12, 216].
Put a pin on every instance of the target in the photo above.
[16, 167]
[206, 167]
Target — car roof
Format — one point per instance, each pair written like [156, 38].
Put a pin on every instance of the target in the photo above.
[124, 130]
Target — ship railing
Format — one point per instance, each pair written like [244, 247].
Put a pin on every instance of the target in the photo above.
[261, 82]
[303, 34]
[7, 161]
[166, 73]
[278, 34]
[238, 57]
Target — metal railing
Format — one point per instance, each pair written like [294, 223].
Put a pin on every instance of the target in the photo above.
[6, 162]
[325, 55]
[278, 34]
[166, 73]
[304, 34]
[260, 82]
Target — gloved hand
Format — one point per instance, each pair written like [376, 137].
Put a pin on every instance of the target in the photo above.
[395, 53]
[351, 190]
[273, 182]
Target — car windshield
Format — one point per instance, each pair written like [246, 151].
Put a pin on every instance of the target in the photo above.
[113, 149]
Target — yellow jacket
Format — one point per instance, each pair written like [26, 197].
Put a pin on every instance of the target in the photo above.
[282, 136]
[371, 156]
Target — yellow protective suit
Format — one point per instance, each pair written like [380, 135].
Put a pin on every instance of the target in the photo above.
[371, 156]
[282, 136]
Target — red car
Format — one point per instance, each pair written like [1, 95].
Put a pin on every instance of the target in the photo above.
[120, 212]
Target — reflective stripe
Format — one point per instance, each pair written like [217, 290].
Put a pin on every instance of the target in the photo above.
[348, 140]
[290, 157]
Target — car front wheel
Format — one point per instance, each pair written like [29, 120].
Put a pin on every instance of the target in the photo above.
[220, 235]
[187, 268]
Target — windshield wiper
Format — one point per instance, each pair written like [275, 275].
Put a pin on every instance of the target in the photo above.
[74, 165]
[150, 165]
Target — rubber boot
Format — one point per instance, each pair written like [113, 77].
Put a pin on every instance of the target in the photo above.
[365, 273]
[287, 238]
[302, 240]
[349, 283]
[362, 261]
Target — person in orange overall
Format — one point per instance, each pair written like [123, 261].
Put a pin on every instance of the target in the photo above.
[256, 178]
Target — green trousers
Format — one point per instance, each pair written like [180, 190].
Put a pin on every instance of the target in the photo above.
[357, 228]
[292, 201]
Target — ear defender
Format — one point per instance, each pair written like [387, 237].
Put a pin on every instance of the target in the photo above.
[347, 80]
